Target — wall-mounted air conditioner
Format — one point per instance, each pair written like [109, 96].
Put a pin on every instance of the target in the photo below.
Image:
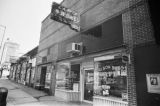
[74, 47]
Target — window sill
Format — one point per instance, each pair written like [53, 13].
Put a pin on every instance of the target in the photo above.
[110, 98]
[65, 90]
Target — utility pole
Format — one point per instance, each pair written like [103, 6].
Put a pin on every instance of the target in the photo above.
[2, 41]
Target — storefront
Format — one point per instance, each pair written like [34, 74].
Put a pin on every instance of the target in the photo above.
[68, 81]
[33, 68]
[110, 81]
[87, 80]
[88, 84]
[32, 76]
[99, 78]
[28, 74]
[23, 72]
[48, 78]
[43, 80]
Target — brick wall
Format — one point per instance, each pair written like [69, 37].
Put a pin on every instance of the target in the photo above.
[137, 30]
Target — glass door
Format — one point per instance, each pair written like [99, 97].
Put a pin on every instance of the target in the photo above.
[88, 85]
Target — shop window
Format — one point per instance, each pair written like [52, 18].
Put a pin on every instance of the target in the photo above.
[110, 78]
[32, 75]
[72, 80]
[48, 77]
[68, 77]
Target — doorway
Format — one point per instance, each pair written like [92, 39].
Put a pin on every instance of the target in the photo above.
[88, 84]
[43, 75]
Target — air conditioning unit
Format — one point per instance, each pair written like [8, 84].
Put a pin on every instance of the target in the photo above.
[74, 47]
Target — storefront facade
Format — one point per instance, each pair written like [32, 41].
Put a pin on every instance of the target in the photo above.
[101, 68]
[23, 72]
[44, 78]
[99, 78]
[45, 69]
[110, 80]
[24, 69]
[68, 81]
[77, 76]
[12, 71]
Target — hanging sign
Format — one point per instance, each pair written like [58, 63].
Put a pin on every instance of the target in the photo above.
[153, 83]
[64, 15]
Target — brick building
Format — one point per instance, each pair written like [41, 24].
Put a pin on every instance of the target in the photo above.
[23, 70]
[116, 52]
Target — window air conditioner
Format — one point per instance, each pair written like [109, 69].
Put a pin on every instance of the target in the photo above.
[74, 47]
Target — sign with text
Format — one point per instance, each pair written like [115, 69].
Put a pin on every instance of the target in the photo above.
[64, 15]
[153, 83]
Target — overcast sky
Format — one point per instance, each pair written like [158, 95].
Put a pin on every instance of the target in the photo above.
[22, 19]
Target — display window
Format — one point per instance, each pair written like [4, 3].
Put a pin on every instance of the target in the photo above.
[68, 77]
[110, 78]
[48, 76]
[28, 75]
[38, 74]
[32, 75]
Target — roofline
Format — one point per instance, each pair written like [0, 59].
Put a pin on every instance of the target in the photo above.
[26, 54]
[45, 18]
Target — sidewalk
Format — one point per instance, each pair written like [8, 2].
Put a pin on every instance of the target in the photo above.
[20, 95]
[31, 91]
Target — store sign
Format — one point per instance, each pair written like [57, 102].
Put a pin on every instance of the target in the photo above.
[65, 15]
[153, 83]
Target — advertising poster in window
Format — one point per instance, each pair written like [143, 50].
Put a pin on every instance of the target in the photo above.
[110, 79]
[48, 76]
[153, 83]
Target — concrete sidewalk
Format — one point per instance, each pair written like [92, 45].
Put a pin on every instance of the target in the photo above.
[15, 94]
[20, 95]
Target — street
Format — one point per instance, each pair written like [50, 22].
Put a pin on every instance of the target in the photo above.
[20, 95]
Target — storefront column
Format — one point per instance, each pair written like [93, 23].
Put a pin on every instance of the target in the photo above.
[53, 79]
[88, 64]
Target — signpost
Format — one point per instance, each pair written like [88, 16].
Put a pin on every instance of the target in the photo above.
[64, 15]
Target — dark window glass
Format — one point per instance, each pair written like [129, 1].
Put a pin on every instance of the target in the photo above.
[95, 32]
[111, 78]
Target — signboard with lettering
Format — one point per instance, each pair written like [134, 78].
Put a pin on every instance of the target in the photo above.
[64, 15]
[153, 83]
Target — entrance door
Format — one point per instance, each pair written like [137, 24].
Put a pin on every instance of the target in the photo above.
[88, 85]
[43, 75]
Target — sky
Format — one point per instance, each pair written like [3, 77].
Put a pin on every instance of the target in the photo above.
[22, 19]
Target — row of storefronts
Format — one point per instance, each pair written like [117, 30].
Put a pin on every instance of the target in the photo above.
[23, 70]
[97, 65]
[89, 67]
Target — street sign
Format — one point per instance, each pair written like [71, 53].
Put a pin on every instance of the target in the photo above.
[64, 15]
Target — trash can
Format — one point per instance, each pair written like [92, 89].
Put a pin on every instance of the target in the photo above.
[3, 96]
